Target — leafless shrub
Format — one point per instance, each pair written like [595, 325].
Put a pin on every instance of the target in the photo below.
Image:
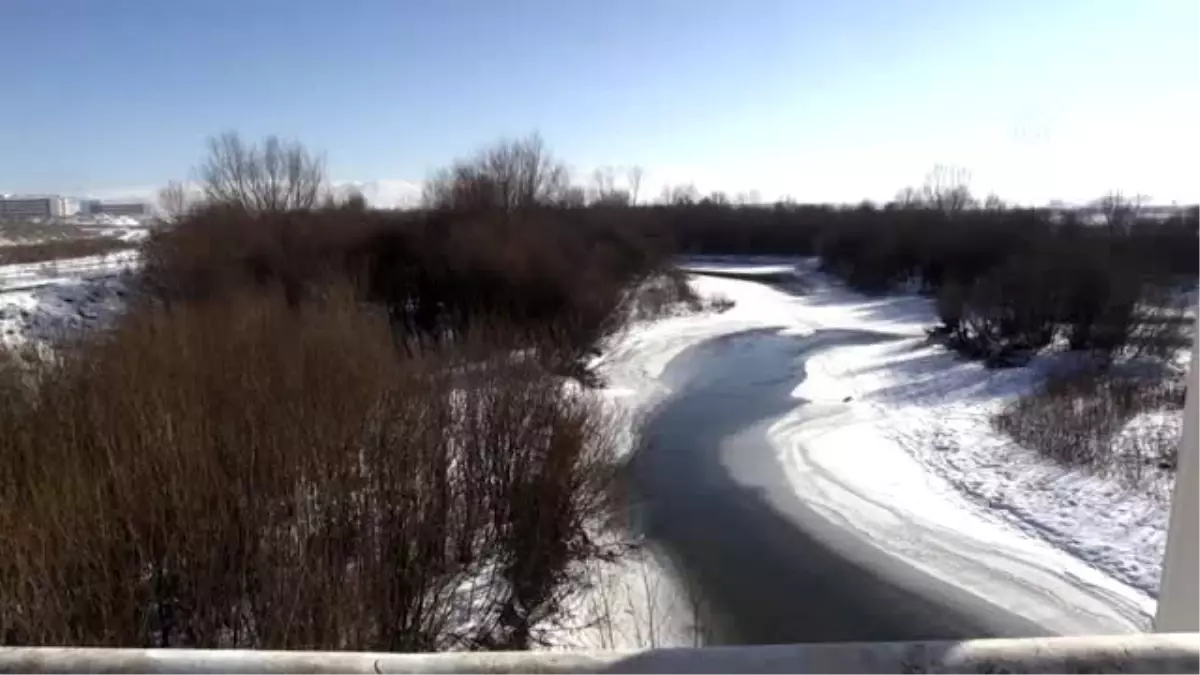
[276, 176]
[1119, 309]
[1079, 420]
[60, 249]
[555, 276]
[20, 232]
[173, 202]
[608, 190]
[255, 474]
[511, 175]
[946, 189]
[376, 466]
[679, 195]
[634, 601]
[1004, 318]
[221, 249]
[1158, 327]
[1119, 212]
[573, 197]
[662, 295]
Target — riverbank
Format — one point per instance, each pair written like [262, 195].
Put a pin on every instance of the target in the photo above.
[884, 450]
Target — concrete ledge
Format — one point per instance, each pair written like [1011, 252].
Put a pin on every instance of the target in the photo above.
[1150, 653]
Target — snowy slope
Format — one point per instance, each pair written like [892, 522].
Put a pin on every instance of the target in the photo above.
[41, 301]
[895, 443]
[937, 408]
[32, 275]
[924, 476]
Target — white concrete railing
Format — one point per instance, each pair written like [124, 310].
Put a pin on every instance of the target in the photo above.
[1152, 653]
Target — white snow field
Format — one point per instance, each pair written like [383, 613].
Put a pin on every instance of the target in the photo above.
[39, 301]
[893, 441]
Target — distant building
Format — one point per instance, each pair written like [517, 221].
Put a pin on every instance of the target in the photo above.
[33, 207]
[96, 207]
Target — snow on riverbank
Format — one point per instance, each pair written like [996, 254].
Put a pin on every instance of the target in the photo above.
[938, 409]
[913, 450]
[895, 441]
[638, 602]
[40, 301]
[30, 275]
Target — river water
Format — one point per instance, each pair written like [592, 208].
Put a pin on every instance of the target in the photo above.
[710, 495]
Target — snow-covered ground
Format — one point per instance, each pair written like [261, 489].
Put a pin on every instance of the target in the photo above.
[937, 408]
[39, 301]
[123, 228]
[890, 439]
[912, 462]
[894, 440]
[32, 275]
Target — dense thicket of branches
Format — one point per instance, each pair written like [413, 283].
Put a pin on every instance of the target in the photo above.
[510, 175]
[558, 276]
[274, 175]
[1007, 280]
[322, 426]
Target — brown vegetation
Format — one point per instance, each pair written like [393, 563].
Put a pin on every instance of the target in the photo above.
[319, 428]
[509, 176]
[1008, 281]
[60, 249]
[252, 474]
[275, 175]
[1078, 420]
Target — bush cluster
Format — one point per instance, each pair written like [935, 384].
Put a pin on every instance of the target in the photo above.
[1008, 282]
[320, 428]
[254, 474]
[1080, 419]
[558, 279]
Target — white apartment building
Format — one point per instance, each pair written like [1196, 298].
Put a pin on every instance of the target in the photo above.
[35, 207]
[96, 207]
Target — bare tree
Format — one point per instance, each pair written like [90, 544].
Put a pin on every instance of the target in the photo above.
[1119, 212]
[605, 191]
[680, 195]
[573, 197]
[947, 189]
[908, 198]
[994, 203]
[354, 201]
[604, 181]
[635, 175]
[172, 201]
[511, 175]
[748, 198]
[278, 176]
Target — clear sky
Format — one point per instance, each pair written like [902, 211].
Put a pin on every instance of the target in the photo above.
[836, 100]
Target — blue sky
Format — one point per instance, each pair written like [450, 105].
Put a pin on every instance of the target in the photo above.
[836, 100]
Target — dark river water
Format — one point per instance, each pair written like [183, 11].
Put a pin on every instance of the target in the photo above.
[710, 494]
